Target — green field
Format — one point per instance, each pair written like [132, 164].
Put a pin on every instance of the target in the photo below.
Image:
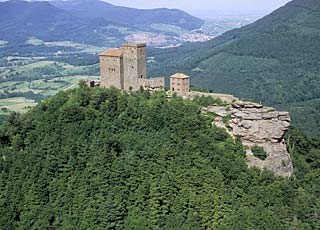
[28, 84]
[17, 104]
[81, 47]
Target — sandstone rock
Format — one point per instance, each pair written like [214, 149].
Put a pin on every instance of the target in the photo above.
[239, 114]
[252, 116]
[262, 126]
[270, 115]
[258, 125]
[253, 105]
[219, 110]
[278, 160]
[246, 125]
[267, 109]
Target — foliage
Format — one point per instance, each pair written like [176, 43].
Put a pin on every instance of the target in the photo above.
[259, 152]
[3, 118]
[102, 159]
[206, 101]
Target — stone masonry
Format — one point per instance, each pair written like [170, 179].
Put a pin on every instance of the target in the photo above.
[180, 84]
[126, 69]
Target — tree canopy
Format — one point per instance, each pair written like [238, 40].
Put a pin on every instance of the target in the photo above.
[104, 159]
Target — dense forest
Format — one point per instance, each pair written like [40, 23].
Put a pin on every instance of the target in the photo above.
[274, 60]
[104, 159]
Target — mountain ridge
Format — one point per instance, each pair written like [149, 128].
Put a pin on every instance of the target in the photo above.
[126, 15]
[20, 20]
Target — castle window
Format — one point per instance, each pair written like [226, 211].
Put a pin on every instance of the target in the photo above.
[141, 76]
[132, 67]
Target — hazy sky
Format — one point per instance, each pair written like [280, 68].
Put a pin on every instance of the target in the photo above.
[195, 6]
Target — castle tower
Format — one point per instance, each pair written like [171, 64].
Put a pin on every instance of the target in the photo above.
[180, 83]
[134, 65]
[111, 69]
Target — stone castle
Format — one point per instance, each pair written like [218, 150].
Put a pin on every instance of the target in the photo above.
[256, 125]
[126, 69]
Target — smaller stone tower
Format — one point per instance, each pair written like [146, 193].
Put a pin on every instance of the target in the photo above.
[111, 69]
[180, 83]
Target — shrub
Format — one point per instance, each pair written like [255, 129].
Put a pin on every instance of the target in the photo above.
[259, 152]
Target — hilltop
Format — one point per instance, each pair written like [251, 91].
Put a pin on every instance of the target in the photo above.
[274, 60]
[104, 159]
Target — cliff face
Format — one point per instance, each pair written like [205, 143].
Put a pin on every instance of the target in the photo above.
[260, 126]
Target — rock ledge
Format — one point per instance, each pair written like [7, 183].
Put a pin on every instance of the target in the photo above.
[261, 126]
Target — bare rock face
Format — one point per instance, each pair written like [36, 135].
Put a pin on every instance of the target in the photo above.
[261, 126]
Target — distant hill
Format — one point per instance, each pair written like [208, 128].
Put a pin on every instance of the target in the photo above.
[89, 22]
[274, 60]
[129, 16]
[20, 20]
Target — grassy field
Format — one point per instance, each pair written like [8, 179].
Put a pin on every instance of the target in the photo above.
[38, 87]
[26, 84]
[18, 104]
[81, 47]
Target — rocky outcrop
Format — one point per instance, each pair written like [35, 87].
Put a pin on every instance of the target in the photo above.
[261, 126]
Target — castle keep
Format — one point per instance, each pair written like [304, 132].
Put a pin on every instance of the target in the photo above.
[126, 69]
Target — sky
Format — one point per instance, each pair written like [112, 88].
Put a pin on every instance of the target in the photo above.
[205, 6]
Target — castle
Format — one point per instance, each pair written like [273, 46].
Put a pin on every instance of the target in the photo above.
[126, 69]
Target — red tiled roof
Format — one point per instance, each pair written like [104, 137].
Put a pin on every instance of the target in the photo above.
[180, 76]
[112, 53]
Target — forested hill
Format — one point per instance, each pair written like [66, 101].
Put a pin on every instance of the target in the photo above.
[91, 9]
[274, 60]
[91, 22]
[103, 159]
[20, 20]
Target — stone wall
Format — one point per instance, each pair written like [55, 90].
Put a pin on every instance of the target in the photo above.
[111, 72]
[153, 84]
[134, 65]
